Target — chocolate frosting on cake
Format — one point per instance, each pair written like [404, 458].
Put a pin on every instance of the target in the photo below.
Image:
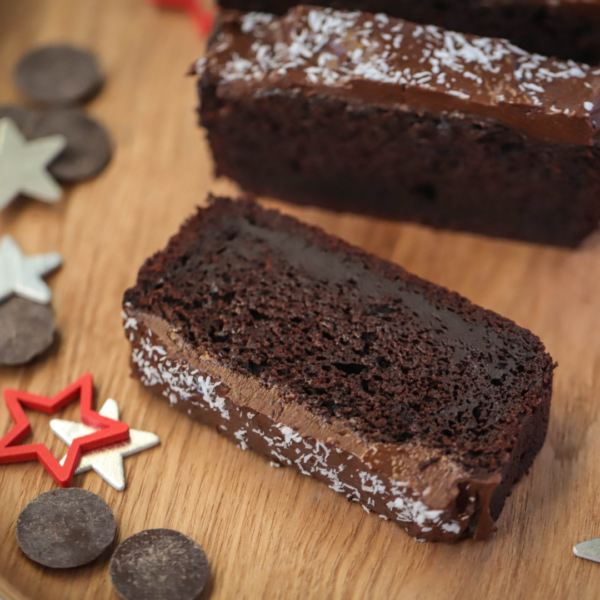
[391, 62]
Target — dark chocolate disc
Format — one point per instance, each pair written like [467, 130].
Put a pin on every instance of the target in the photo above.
[59, 75]
[65, 528]
[88, 148]
[159, 564]
[24, 118]
[26, 330]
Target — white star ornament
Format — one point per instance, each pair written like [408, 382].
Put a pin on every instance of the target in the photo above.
[22, 275]
[107, 462]
[23, 165]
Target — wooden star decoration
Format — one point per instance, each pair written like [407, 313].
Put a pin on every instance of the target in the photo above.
[107, 462]
[108, 430]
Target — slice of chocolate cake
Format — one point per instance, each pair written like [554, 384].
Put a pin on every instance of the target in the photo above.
[398, 393]
[567, 29]
[360, 112]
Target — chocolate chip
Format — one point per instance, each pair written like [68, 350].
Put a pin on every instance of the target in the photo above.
[159, 564]
[58, 75]
[65, 528]
[26, 330]
[23, 117]
[88, 148]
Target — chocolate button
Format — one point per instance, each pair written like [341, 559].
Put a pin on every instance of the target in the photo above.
[65, 528]
[58, 75]
[24, 118]
[159, 564]
[88, 148]
[26, 330]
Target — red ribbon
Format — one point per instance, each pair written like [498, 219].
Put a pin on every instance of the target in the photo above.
[202, 17]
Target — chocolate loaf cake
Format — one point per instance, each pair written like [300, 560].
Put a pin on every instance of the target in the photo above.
[364, 113]
[398, 393]
[567, 29]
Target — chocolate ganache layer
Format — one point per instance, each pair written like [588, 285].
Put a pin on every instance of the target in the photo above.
[567, 29]
[400, 394]
[362, 112]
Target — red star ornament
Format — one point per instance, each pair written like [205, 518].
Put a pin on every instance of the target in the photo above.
[110, 431]
[202, 17]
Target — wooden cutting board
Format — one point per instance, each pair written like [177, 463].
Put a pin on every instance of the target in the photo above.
[272, 533]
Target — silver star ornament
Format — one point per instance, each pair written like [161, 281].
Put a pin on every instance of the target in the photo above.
[590, 550]
[107, 462]
[23, 165]
[22, 275]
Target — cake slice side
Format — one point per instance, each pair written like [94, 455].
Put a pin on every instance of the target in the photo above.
[374, 428]
[484, 138]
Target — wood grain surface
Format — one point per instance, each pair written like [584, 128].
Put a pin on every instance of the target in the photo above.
[272, 533]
